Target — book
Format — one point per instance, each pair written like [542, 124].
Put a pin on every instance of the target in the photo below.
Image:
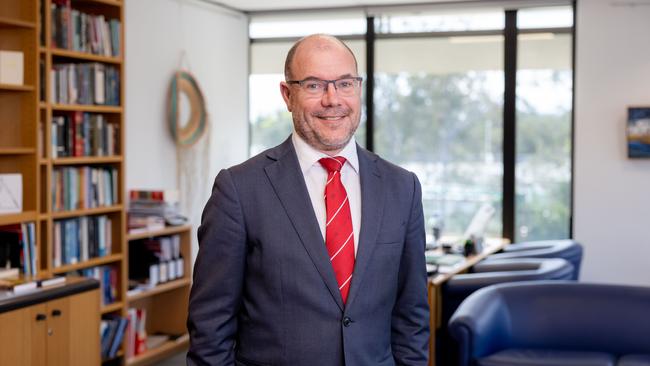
[11, 67]
[54, 281]
[9, 273]
[117, 339]
[18, 285]
[11, 193]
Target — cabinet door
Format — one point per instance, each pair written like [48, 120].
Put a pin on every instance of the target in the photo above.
[58, 332]
[74, 330]
[22, 336]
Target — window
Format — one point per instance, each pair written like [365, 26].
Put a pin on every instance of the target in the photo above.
[438, 107]
[439, 113]
[543, 113]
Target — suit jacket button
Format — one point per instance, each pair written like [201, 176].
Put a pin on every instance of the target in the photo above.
[347, 321]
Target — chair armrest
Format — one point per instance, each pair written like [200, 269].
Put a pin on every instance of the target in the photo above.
[480, 325]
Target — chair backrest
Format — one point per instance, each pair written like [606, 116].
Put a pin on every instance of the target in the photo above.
[554, 315]
[510, 270]
[567, 249]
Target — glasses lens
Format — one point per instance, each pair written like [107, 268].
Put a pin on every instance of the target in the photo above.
[347, 86]
[314, 86]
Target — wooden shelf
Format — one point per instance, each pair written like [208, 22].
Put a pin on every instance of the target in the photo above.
[16, 87]
[14, 23]
[59, 52]
[106, 2]
[17, 218]
[88, 160]
[166, 231]
[111, 308]
[167, 286]
[17, 150]
[87, 211]
[166, 349]
[87, 108]
[89, 263]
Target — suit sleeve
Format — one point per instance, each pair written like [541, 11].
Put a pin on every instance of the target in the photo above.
[219, 269]
[410, 319]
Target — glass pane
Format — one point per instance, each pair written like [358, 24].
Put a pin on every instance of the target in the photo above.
[299, 26]
[441, 21]
[270, 122]
[548, 17]
[543, 161]
[439, 112]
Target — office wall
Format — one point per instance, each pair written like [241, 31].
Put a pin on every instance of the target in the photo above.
[215, 43]
[612, 192]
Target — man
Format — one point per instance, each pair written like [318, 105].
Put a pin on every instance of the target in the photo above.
[312, 253]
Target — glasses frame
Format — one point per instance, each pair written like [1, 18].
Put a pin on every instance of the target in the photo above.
[359, 79]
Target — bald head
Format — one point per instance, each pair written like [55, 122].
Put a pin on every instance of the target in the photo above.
[321, 42]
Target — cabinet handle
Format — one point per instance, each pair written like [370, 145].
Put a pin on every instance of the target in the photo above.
[40, 317]
[56, 312]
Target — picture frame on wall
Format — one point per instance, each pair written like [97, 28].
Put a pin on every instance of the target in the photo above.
[638, 132]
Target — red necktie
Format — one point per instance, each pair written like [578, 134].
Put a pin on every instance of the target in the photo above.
[339, 236]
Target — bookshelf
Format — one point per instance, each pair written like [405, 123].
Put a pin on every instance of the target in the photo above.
[45, 138]
[166, 303]
[29, 112]
[18, 112]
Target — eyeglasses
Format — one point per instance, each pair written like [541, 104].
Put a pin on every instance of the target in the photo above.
[317, 87]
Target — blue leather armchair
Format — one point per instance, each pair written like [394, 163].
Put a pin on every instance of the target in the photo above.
[554, 323]
[567, 249]
[488, 273]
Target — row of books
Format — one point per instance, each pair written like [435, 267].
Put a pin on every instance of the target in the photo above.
[153, 261]
[136, 333]
[84, 187]
[85, 83]
[108, 281]
[83, 134]
[79, 31]
[18, 250]
[81, 238]
[112, 329]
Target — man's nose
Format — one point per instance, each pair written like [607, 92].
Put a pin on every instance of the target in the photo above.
[331, 96]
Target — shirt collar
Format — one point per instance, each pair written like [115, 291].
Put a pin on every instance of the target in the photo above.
[308, 156]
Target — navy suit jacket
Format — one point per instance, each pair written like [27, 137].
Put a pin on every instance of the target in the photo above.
[264, 290]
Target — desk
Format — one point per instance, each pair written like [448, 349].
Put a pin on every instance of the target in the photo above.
[434, 283]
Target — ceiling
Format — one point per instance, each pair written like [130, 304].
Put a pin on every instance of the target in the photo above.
[267, 5]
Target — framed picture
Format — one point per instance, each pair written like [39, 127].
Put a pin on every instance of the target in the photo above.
[638, 132]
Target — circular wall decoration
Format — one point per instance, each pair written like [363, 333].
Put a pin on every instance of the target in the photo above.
[186, 133]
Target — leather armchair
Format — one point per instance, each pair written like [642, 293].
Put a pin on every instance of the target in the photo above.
[567, 249]
[488, 273]
[554, 323]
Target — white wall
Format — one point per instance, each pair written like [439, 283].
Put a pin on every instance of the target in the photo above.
[612, 192]
[215, 42]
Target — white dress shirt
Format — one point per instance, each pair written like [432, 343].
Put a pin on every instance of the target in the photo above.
[316, 177]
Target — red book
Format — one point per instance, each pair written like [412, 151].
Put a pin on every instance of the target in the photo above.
[77, 122]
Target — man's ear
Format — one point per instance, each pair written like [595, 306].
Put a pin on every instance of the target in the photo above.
[286, 94]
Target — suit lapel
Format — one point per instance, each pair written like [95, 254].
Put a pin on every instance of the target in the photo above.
[372, 206]
[289, 184]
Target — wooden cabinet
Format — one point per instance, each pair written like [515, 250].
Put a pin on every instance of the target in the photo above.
[59, 332]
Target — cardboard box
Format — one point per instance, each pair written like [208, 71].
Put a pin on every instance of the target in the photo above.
[11, 67]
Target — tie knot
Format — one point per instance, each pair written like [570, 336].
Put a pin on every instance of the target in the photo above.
[332, 164]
